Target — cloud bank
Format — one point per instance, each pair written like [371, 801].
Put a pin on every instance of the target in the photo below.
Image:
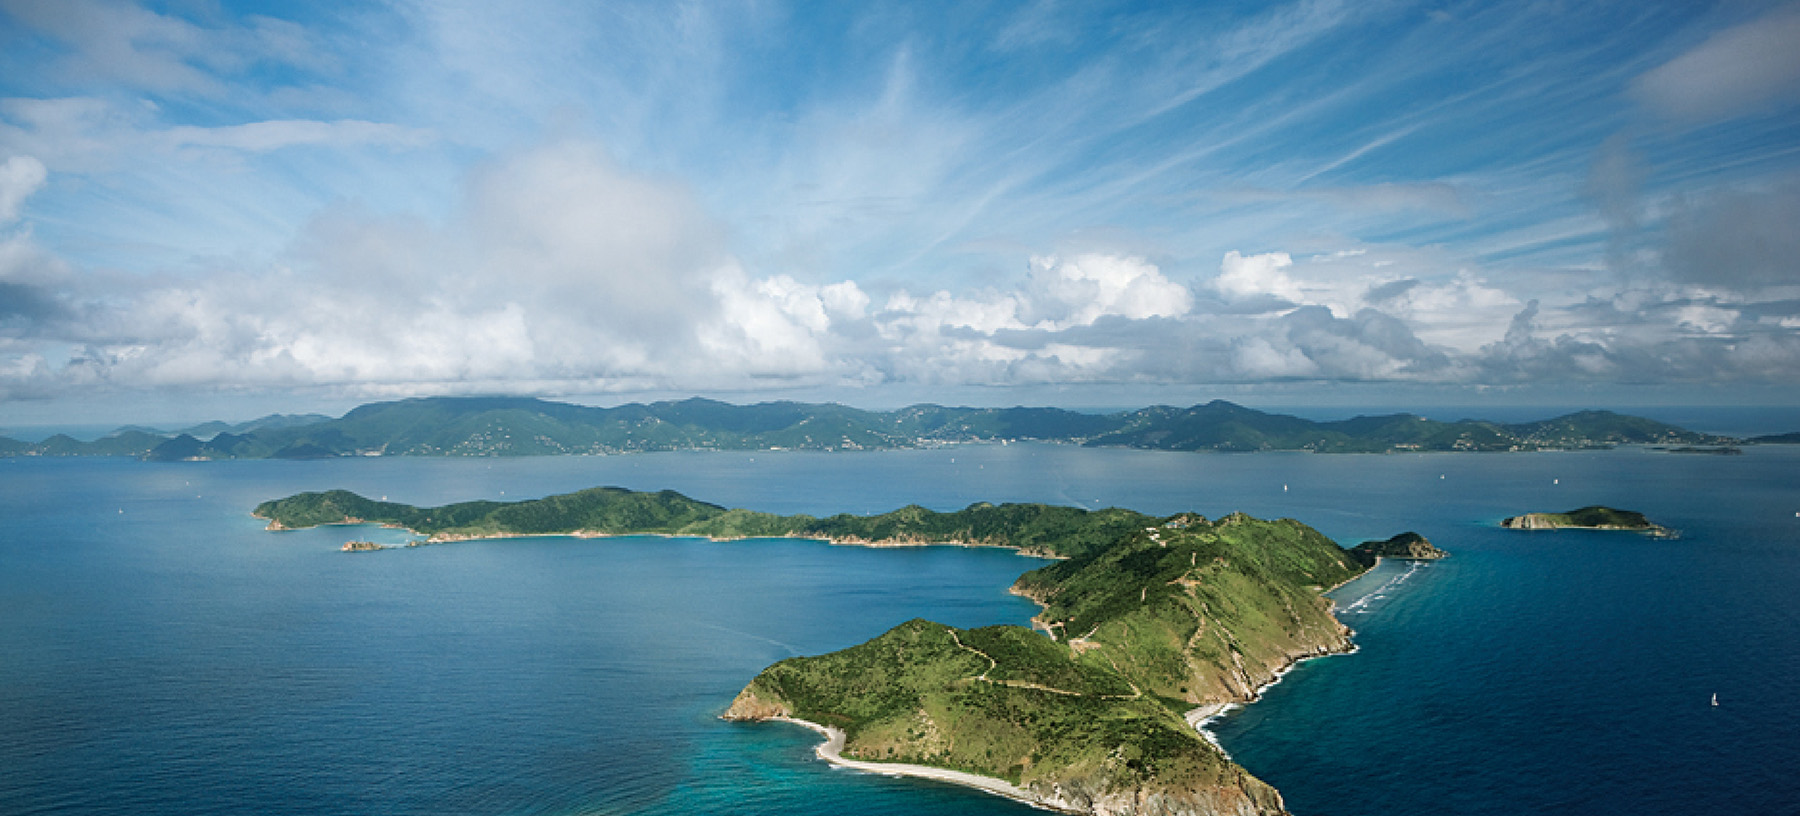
[561, 272]
[571, 198]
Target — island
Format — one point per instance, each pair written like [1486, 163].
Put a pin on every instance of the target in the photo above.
[1149, 625]
[519, 426]
[1408, 546]
[1593, 517]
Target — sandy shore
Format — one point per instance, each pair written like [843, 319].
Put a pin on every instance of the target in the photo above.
[831, 750]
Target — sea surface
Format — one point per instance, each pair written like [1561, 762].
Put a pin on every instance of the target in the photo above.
[161, 653]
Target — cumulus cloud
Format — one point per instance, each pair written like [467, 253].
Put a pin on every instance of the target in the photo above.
[1391, 289]
[777, 326]
[1736, 71]
[1080, 290]
[20, 176]
[558, 271]
[1257, 276]
[1371, 345]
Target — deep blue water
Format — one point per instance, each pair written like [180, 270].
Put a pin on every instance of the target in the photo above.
[161, 653]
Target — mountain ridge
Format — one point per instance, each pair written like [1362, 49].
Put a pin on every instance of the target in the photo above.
[529, 426]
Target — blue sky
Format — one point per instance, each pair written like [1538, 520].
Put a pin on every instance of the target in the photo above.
[223, 209]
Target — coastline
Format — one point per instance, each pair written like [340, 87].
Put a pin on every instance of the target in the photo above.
[1203, 716]
[831, 750]
[1200, 717]
[276, 526]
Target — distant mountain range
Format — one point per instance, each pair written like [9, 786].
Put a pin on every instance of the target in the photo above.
[517, 426]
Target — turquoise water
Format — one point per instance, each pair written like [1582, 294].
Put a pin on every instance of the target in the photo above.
[164, 654]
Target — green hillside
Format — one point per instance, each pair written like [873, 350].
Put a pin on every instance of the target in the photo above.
[1167, 617]
[1037, 528]
[517, 426]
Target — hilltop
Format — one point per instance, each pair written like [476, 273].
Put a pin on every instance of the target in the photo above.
[516, 426]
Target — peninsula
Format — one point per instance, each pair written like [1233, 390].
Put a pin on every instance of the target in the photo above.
[1145, 622]
[1593, 517]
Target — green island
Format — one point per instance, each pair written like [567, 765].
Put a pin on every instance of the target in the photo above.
[1408, 546]
[1594, 517]
[1149, 626]
[518, 426]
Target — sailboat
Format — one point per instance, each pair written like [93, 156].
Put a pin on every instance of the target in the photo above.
[1715, 698]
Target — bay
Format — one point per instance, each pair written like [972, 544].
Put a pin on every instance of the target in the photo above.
[165, 654]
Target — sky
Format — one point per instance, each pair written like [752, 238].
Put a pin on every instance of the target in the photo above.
[218, 209]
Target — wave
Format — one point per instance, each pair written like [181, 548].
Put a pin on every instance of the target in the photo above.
[1361, 606]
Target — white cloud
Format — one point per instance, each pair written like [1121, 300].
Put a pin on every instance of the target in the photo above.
[986, 315]
[776, 326]
[1463, 312]
[1705, 319]
[1259, 358]
[20, 176]
[1736, 71]
[844, 298]
[1242, 278]
[1085, 288]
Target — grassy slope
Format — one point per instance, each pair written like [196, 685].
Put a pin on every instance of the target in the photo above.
[1163, 619]
[1003, 702]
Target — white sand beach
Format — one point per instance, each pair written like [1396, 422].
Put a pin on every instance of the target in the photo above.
[831, 750]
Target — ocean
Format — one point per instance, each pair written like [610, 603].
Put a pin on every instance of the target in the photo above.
[161, 653]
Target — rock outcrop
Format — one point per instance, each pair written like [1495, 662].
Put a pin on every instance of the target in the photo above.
[1406, 546]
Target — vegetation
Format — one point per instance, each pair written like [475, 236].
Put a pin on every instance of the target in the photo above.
[1036, 528]
[1149, 617]
[507, 426]
[1590, 518]
[1408, 546]
[928, 694]
[1222, 426]
[1170, 615]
